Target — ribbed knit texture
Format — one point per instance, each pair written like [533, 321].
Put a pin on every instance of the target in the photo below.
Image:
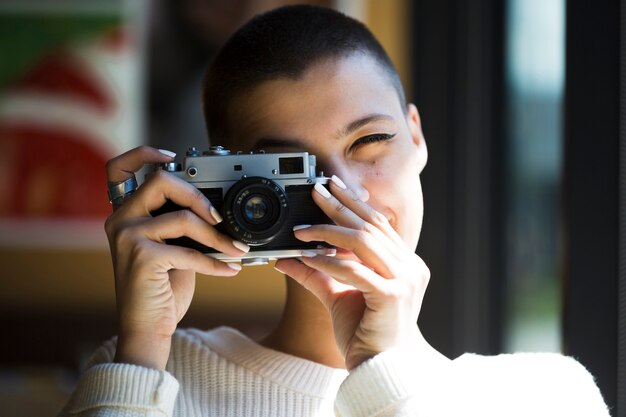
[234, 376]
[223, 373]
[152, 392]
[406, 377]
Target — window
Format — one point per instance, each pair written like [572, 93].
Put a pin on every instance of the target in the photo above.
[534, 80]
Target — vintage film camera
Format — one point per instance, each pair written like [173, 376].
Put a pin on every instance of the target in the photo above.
[261, 196]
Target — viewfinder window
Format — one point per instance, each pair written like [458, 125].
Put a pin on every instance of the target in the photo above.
[291, 165]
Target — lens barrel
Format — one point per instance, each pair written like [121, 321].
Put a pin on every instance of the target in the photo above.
[255, 210]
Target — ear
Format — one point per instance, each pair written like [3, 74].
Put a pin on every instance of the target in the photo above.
[415, 128]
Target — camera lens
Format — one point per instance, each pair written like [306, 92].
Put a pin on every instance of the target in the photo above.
[256, 209]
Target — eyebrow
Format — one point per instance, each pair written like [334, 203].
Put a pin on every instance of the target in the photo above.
[269, 142]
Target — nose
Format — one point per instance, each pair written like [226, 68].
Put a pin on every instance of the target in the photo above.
[349, 177]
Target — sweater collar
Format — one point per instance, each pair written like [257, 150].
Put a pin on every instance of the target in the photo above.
[290, 371]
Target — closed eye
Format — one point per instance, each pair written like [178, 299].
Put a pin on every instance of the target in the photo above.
[376, 137]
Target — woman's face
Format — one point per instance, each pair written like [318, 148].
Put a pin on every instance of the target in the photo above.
[347, 113]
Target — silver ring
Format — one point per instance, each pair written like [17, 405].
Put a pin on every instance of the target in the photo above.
[120, 191]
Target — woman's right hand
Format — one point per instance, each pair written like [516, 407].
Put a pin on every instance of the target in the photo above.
[154, 282]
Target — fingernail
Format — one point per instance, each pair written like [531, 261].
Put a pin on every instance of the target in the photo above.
[301, 226]
[322, 190]
[167, 153]
[233, 265]
[241, 246]
[282, 272]
[308, 254]
[216, 215]
[338, 182]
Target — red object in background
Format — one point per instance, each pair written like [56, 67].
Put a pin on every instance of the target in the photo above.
[56, 123]
[55, 174]
[62, 74]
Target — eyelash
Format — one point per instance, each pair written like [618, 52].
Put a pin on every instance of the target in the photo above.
[377, 137]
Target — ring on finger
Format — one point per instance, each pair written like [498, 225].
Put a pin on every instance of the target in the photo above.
[120, 191]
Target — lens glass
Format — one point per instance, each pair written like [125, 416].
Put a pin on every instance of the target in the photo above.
[256, 209]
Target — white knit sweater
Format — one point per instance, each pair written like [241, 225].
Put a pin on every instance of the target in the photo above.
[223, 373]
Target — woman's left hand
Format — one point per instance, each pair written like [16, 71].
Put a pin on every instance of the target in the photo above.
[374, 286]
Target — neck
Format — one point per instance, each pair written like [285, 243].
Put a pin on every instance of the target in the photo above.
[305, 329]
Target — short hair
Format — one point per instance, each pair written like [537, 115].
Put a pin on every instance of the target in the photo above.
[283, 43]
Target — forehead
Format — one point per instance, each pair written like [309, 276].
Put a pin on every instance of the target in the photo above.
[326, 97]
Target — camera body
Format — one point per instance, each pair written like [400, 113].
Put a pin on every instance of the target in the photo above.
[261, 196]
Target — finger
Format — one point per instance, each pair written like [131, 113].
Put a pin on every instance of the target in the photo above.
[364, 211]
[339, 213]
[347, 272]
[342, 253]
[186, 223]
[342, 214]
[169, 257]
[324, 287]
[365, 245]
[182, 283]
[163, 186]
[125, 165]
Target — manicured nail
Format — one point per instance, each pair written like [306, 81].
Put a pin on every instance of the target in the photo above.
[338, 182]
[282, 272]
[167, 153]
[234, 265]
[241, 246]
[301, 226]
[322, 190]
[308, 254]
[216, 215]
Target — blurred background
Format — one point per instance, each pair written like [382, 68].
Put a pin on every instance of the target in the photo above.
[81, 82]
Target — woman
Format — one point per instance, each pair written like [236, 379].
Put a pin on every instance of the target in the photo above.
[310, 79]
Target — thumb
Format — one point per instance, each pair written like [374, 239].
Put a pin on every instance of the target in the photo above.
[321, 285]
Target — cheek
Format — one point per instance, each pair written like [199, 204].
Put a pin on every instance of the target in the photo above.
[377, 176]
[395, 189]
[392, 174]
[410, 213]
